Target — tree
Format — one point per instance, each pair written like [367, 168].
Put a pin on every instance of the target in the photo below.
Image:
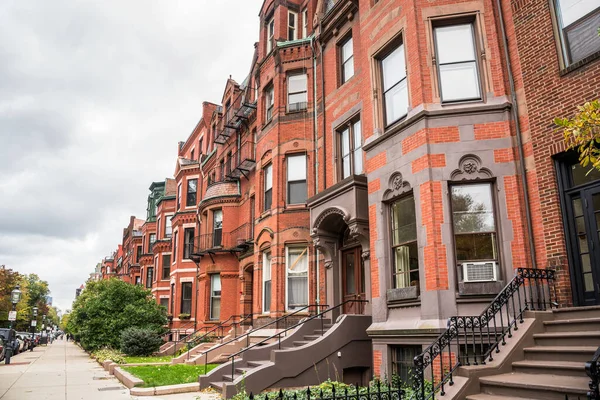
[8, 280]
[582, 133]
[108, 307]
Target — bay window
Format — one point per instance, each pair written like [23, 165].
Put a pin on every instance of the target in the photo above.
[266, 282]
[217, 228]
[149, 274]
[292, 25]
[394, 83]
[268, 187]
[188, 243]
[297, 92]
[456, 59]
[166, 269]
[168, 227]
[269, 102]
[296, 264]
[215, 296]
[405, 252]
[192, 190]
[186, 298]
[475, 234]
[296, 179]
[270, 35]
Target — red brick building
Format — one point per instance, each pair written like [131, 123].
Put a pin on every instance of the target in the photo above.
[375, 152]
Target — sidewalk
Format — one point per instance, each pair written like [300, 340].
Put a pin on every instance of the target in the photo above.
[62, 371]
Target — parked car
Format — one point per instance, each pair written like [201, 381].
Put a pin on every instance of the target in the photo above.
[25, 338]
[1, 349]
[15, 344]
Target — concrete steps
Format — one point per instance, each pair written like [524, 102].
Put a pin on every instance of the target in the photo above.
[555, 366]
[534, 386]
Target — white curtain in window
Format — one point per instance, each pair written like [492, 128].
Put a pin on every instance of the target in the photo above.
[402, 255]
[297, 270]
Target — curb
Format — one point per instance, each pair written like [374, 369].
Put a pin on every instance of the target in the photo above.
[164, 390]
[126, 378]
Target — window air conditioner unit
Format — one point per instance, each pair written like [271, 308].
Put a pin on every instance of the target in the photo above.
[480, 271]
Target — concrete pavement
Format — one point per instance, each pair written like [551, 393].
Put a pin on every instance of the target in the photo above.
[62, 371]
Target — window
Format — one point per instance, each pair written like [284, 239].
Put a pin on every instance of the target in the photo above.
[175, 246]
[350, 148]
[149, 275]
[178, 197]
[297, 277]
[266, 282]
[192, 189]
[138, 280]
[268, 186]
[222, 167]
[164, 301]
[186, 298]
[166, 269]
[172, 308]
[217, 228]
[395, 91]
[168, 227]
[200, 148]
[188, 243]
[215, 296]
[192, 155]
[403, 361]
[270, 35]
[296, 179]
[292, 22]
[269, 102]
[346, 60]
[457, 62]
[578, 22]
[297, 92]
[152, 239]
[405, 255]
[305, 23]
[138, 254]
[475, 237]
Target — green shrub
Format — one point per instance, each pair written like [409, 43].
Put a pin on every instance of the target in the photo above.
[109, 354]
[140, 341]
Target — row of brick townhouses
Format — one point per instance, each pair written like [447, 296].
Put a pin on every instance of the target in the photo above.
[375, 151]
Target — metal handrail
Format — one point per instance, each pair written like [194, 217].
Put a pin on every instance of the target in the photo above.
[247, 334]
[233, 324]
[204, 328]
[475, 333]
[166, 334]
[278, 334]
[592, 369]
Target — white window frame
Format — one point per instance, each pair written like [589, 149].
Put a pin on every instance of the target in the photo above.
[345, 59]
[265, 267]
[287, 258]
[305, 23]
[294, 27]
[168, 225]
[270, 34]
[268, 186]
[288, 181]
[211, 316]
[290, 93]
[269, 102]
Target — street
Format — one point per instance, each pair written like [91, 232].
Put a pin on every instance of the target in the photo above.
[62, 371]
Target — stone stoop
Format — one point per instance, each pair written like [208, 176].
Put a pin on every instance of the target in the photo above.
[306, 354]
[551, 364]
[196, 352]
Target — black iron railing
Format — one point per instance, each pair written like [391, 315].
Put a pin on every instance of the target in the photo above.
[165, 336]
[592, 369]
[377, 391]
[202, 332]
[275, 322]
[218, 241]
[234, 323]
[284, 332]
[473, 340]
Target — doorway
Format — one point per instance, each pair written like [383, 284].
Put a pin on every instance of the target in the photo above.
[580, 191]
[353, 280]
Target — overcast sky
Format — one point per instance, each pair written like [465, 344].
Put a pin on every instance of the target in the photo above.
[94, 96]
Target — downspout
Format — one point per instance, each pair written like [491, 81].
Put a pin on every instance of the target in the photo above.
[515, 113]
[324, 120]
[315, 127]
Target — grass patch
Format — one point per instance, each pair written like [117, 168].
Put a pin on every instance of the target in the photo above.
[162, 375]
[151, 359]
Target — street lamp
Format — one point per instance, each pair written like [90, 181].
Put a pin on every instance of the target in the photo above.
[33, 324]
[15, 297]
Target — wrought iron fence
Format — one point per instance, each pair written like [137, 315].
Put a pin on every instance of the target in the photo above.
[473, 340]
[592, 369]
[377, 391]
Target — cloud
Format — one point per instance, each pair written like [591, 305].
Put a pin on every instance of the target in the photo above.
[94, 97]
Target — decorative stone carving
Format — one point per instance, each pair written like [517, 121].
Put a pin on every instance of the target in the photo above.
[470, 168]
[396, 186]
[365, 255]
[328, 264]
[330, 211]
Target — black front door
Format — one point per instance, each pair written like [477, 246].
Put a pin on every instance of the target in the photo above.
[584, 220]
